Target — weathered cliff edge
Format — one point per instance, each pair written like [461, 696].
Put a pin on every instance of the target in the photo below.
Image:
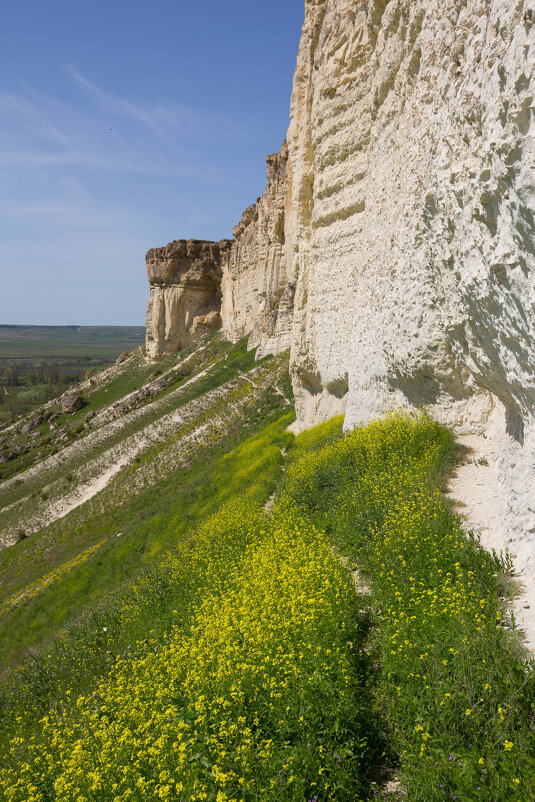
[185, 294]
[402, 216]
[410, 229]
[257, 296]
[239, 284]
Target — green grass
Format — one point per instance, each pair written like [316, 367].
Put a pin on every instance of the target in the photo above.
[205, 355]
[150, 519]
[243, 409]
[454, 686]
[291, 726]
[251, 470]
[36, 341]
[138, 372]
[155, 520]
[38, 363]
[262, 673]
[212, 353]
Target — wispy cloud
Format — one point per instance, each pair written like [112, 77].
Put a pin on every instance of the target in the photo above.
[163, 119]
[104, 130]
[89, 180]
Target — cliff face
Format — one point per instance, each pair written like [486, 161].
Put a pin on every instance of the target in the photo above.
[185, 294]
[393, 248]
[412, 219]
[239, 284]
[257, 297]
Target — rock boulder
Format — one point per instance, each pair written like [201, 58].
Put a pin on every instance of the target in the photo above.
[71, 403]
[33, 423]
[122, 358]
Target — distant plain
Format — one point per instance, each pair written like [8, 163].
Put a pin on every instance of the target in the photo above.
[38, 363]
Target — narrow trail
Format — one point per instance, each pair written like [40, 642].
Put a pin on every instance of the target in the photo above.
[86, 491]
[476, 491]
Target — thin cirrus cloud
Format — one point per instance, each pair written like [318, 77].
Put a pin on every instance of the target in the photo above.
[109, 132]
[80, 203]
[163, 119]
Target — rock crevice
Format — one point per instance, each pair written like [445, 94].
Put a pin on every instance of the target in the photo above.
[257, 296]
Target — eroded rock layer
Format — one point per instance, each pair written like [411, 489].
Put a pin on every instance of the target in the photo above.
[257, 297]
[240, 284]
[411, 222]
[393, 248]
[185, 294]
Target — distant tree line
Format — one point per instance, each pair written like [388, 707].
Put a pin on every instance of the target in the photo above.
[24, 386]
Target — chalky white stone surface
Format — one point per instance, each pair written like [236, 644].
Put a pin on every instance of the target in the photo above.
[410, 226]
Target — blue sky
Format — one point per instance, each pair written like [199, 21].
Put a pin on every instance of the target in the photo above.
[195, 94]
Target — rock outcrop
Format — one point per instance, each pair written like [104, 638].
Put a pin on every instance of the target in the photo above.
[185, 294]
[122, 358]
[257, 298]
[35, 421]
[393, 248]
[411, 223]
[71, 403]
[239, 284]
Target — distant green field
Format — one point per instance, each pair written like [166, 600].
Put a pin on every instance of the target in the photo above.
[70, 333]
[37, 349]
[32, 342]
[39, 362]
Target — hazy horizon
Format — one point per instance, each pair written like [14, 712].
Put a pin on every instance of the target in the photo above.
[72, 325]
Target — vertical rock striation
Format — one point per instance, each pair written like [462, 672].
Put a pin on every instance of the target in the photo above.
[257, 297]
[185, 294]
[239, 284]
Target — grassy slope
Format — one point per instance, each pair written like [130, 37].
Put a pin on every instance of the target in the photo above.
[244, 563]
[74, 461]
[454, 687]
[251, 471]
[212, 354]
[241, 591]
[48, 358]
[140, 503]
[110, 385]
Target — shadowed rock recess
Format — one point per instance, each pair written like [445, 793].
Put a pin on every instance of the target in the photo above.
[393, 248]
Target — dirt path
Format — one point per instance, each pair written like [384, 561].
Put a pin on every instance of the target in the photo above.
[477, 490]
[86, 491]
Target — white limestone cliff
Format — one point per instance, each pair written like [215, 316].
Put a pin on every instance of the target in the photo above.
[411, 224]
[256, 296]
[185, 294]
[394, 246]
[239, 284]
